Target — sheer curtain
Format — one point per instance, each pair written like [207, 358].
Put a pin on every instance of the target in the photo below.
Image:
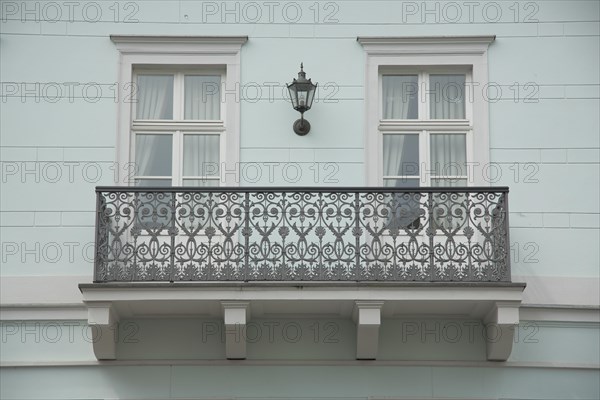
[448, 154]
[401, 155]
[201, 155]
[154, 97]
[448, 158]
[393, 147]
[447, 96]
[202, 97]
[401, 158]
[400, 97]
[153, 155]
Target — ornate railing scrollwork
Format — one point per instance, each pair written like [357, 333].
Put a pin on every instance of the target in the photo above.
[302, 234]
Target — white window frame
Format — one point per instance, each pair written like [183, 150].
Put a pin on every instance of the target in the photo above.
[448, 53]
[178, 127]
[181, 54]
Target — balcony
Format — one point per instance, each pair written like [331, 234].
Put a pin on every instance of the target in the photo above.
[246, 234]
[364, 253]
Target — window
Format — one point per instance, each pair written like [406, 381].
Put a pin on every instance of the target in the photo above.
[177, 127]
[183, 124]
[426, 125]
[420, 128]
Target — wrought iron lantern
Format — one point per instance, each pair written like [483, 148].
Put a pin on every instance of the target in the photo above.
[302, 94]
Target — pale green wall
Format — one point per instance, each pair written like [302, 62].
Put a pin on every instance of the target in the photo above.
[543, 344]
[299, 339]
[554, 212]
[295, 382]
[554, 196]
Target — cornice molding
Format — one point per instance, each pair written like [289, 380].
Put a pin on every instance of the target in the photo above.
[425, 44]
[178, 44]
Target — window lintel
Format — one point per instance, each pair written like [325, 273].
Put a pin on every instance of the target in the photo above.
[178, 44]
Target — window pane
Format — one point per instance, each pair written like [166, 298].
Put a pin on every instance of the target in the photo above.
[202, 97]
[153, 182]
[154, 97]
[400, 155]
[200, 182]
[201, 155]
[153, 155]
[449, 154]
[400, 97]
[447, 100]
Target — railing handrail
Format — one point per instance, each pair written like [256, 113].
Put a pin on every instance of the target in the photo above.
[314, 189]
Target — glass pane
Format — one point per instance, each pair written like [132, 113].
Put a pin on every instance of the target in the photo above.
[449, 154]
[153, 182]
[200, 182]
[201, 155]
[202, 97]
[154, 97]
[400, 155]
[447, 99]
[153, 155]
[400, 97]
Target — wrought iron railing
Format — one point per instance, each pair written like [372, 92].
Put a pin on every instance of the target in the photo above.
[302, 234]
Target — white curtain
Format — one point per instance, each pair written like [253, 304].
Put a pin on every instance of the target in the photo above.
[400, 97]
[400, 158]
[202, 97]
[393, 147]
[153, 155]
[401, 155]
[201, 155]
[448, 154]
[154, 97]
[448, 157]
[447, 96]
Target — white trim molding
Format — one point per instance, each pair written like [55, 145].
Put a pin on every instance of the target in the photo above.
[424, 52]
[182, 51]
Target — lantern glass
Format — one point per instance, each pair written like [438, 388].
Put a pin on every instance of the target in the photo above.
[293, 95]
[302, 94]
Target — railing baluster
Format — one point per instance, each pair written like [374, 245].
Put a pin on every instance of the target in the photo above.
[246, 236]
[357, 240]
[172, 234]
[507, 275]
[99, 227]
[430, 229]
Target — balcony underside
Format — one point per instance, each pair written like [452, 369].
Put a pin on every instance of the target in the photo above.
[365, 302]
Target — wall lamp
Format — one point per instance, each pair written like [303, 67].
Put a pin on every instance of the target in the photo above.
[302, 93]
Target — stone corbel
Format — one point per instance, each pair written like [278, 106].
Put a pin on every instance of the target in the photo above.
[104, 324]
[500, 323]
[235, 315]
[367, 316]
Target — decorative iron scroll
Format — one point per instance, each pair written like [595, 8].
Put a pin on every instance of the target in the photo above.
[302, 234]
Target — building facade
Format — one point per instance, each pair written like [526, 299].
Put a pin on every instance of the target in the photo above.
[167, 234]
